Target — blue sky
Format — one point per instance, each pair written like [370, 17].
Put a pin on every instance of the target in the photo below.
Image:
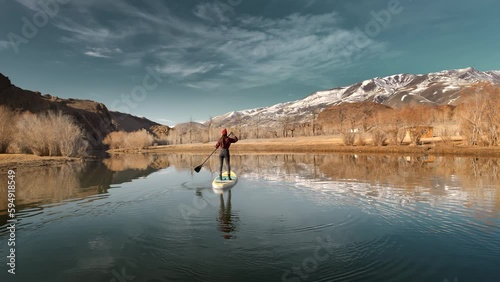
[175, 61]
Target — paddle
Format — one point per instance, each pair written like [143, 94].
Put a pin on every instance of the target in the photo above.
[198, 168]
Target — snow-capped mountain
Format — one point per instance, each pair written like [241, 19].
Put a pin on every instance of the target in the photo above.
[440, 88]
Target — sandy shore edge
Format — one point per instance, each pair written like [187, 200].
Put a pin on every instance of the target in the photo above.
[322, 145]
[297, 145]
[14, 161]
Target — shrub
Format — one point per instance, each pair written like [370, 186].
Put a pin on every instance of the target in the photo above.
[115, 140]
[7, 117]
[446, 137]
[128, 140]
[361, 139]
[379, 137]
[348, 137]
[163, 140]
[50, 134]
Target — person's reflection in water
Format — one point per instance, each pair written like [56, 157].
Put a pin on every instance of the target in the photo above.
[198, 193]
[227, 220]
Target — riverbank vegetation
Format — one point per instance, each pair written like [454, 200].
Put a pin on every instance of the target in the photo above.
[474, 122]
[124, 140]
[46, 134]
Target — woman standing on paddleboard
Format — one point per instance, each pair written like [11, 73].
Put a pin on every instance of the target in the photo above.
[225, 142]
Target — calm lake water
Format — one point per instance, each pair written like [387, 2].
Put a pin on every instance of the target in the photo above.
[289, 218]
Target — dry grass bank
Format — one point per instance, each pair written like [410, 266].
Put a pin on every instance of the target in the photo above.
[326, 144]
[14, 161]
[302, 145]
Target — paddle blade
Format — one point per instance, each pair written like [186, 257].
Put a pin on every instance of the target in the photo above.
[198, 168]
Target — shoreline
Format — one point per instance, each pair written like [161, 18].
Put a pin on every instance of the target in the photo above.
[394, 150]
[14, 161]
[320, 145]
[291, 145]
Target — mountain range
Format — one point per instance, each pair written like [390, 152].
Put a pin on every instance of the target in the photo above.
[395, 91]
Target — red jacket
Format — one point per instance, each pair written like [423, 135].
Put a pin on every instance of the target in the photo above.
[225, 142]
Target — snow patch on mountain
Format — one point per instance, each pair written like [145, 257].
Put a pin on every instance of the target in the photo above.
[434, 88]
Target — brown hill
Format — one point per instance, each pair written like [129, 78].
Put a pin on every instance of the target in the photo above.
[349, 115]
[129, 123]
[4, 82]
[335, 114]
[94, 118]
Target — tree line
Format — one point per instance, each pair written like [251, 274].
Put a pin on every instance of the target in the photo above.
[475, 121]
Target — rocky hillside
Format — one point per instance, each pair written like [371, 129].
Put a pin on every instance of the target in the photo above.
[333, 114]
[93, 117]
[130, 123]
[396, 91]
[189, 132]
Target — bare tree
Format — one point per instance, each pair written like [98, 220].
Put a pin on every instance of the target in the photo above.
[491, 125]
[342, 117]
[416, 120]
[190, 131]
[237, 121]
[285, 123]
[292, 128]
[391, 124]
[314, 116]
[7, 117]
[257, 127]
[349, 129]
[347, 124]
[479, 115]
[210, 124]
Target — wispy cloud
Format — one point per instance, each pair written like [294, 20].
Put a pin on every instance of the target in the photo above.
[207, 84]
[259, 50]
[78, 33]
[218, 45]
[256, 51]
[185, 70]
[102, 52]
[95, 54]
[211, 12]
[82, 24]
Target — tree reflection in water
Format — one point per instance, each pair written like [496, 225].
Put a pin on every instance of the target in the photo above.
[472, 181]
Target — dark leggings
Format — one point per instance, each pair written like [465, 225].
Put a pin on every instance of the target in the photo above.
[224, 154]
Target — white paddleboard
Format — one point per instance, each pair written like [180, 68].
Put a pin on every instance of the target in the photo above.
[225, 182]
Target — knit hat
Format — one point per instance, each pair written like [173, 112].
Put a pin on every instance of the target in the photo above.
[224, 131]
